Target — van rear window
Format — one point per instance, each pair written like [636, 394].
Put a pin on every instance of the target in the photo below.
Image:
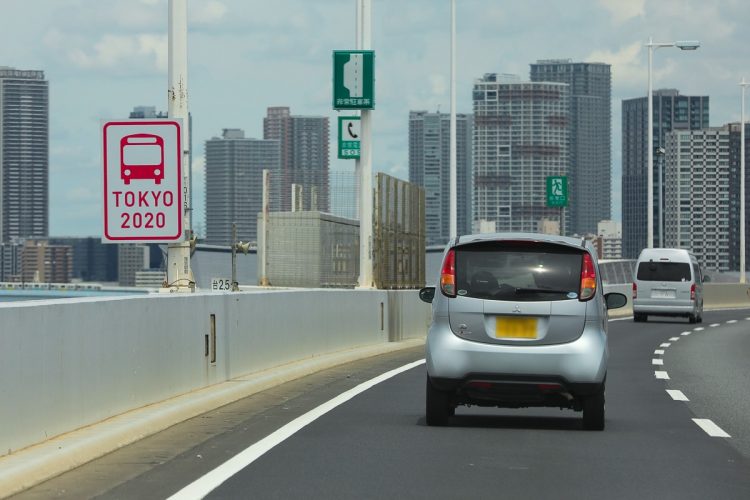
[663, 271]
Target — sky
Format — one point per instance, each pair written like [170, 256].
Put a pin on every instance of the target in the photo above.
[103, 57]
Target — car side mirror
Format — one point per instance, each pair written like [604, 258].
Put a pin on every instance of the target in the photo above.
[615, 300]
[427, 294]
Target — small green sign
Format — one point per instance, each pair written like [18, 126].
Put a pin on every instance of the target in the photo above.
[557, 191]
[353, 79]
[349, 137]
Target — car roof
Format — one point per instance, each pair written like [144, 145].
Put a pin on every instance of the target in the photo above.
[537, 237]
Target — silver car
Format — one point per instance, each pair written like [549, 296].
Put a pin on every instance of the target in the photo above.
[518, 320]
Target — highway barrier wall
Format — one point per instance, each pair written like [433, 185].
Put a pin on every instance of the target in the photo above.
[70, 363]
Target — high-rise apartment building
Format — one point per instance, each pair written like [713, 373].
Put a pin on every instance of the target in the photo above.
[429, 167]
[610, 234]
[735, 135]
[303, 143]
[590, 139]
[234, 184]
[131, 259]
[24, 154]
[697, 175]
[672, 111]
[45, 263]
[92, 259]
[521, 136]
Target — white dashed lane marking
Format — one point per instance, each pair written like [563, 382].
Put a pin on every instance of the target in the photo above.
[731, 321]
[699, 328]
[674, 339]
[714, 325]
[657, 361]
[677, 395]
[665, 344]
[711, 428]
[661, 375]
[685, 334]
[659, 352]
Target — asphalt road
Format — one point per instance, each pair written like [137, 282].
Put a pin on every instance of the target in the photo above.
[376, 445]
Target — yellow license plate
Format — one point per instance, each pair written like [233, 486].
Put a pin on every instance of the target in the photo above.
[515, 328]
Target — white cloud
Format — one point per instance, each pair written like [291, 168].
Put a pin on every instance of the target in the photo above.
[119, 53]
[624, 10]
[210, 12]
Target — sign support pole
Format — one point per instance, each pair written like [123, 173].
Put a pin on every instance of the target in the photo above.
[179, 274]
[365, 162]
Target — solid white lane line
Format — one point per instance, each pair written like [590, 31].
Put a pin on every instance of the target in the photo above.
[674, 339]
[665, 344]
[659, 352]
[657, 361]
[661, 375]
[210, 481]
[711, 428]
[714, 325]
[731, 321]
[677, 395]
[685, 334]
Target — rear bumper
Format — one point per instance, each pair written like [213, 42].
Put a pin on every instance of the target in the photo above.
[582, 361]
[669, 308]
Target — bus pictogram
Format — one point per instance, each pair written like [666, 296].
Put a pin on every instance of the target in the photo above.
[142, 157]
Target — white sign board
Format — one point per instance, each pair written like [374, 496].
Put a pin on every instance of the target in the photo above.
[221, 284]
[142, 181]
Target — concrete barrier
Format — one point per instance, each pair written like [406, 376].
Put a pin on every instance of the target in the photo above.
[70, 363]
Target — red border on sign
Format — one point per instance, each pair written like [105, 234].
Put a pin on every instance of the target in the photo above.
[176, 237]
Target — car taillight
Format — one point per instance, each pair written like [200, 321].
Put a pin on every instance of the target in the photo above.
[588, 278]
[692, 291]
[635, 291]
[448, 275]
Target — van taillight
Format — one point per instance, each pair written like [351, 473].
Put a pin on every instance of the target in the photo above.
[448, 275]
[635, 291]
[692, 291]
[588, 278]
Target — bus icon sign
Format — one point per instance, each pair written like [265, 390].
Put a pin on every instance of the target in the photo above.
[142, 157]
[143, 198]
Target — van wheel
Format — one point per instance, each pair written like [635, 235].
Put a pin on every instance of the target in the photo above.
[438, 405]
[593, 411]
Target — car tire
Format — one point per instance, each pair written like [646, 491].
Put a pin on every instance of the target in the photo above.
[692, 319]
[639, 318]
[593, 411]
[438, 406]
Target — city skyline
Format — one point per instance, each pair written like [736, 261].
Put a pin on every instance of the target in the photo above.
[103, 59]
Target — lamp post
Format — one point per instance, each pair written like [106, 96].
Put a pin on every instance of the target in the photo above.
[743, 84]
[453, 230]
[682, 45]
[661, 152]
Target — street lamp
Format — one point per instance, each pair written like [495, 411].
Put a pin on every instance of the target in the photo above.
[743, 84]
[682, 45]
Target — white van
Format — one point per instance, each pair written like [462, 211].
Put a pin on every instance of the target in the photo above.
[667, 282]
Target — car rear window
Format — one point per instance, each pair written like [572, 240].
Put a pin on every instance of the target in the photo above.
[663, 271]
[518, 271]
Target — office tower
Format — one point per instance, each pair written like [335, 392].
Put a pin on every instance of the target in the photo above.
[590, 139]
[429, 167]
[131, 259]
[672, 111]
[92, 259]
[696, 215]
[521, 134]
[735, 135]
[303, 142]
[234, 184]
[42, 262]
[610, 233]
[24, 154]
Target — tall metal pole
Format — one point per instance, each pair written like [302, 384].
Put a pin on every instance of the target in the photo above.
[179, 275]
[650, 169]
[743, 84]
[263, 239]
[661, 197]
[453, 173]
[365, 163]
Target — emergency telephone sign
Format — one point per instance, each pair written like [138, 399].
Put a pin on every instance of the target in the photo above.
[143, 199]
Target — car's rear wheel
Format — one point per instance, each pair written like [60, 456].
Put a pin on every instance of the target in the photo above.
[639, 317]
[593, 411]
[438, 405]
[692, 318]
